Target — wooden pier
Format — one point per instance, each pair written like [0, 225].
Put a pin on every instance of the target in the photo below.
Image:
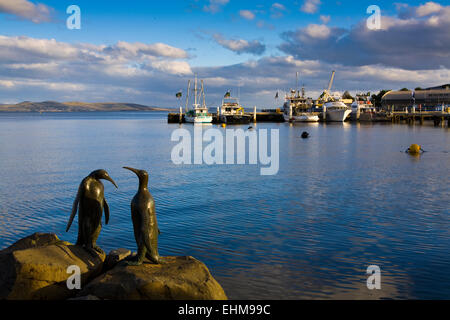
[260, 117]
[438, 117]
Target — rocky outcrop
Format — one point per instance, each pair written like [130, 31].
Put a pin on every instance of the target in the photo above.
[177, 278]
[114, 257]
[36, 268]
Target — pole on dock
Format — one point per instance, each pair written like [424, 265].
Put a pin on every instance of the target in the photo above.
[324, 112]
[181, 114]
[254, 114]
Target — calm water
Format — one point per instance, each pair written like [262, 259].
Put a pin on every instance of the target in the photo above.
[344, 199]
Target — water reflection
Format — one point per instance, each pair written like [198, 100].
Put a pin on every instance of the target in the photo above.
[345, 198]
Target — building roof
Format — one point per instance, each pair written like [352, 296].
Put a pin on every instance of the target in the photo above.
[397, 95]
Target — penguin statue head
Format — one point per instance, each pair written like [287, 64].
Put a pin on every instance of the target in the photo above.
[102, 174]
[142, 175]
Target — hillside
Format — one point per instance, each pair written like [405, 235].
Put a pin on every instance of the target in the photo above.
[53, 106]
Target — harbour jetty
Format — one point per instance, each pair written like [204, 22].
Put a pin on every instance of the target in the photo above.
[437, 117]
[43, 267]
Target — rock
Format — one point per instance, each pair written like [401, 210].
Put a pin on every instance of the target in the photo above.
[178, 278]
[33, 241]
[114, 257]
[36, 268]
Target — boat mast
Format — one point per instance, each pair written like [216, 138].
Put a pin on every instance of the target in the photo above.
[296, 83]
[195, 91]
[187, 95]
[203, 96]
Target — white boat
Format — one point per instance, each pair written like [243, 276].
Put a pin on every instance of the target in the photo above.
[305, 117]
[337, 111]
[199, 114]
[298, 108]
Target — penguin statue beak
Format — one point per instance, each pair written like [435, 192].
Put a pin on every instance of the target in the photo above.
[136, 171]
[112, 181]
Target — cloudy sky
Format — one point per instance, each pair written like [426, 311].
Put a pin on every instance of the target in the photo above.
[145, 51]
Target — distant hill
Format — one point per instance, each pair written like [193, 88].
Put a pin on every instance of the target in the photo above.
[53, 106]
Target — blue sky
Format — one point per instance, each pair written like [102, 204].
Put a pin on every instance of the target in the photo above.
[260, 44]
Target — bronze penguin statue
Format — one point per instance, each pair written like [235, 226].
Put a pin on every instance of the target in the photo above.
[90, 202]
[144, 222]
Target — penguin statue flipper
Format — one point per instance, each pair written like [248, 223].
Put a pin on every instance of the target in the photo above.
[75, 206]
[106, 209]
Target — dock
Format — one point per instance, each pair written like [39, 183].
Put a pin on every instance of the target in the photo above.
[439, 118]
[260, 117]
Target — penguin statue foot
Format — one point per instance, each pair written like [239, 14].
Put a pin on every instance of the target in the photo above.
[154, 259]
[93, 251]
[133, 260]
[133, 263]
[98, 249]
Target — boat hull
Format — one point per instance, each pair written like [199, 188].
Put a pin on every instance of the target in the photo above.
[301, 118]
[207, 119]
[338, 115]
[235, 119]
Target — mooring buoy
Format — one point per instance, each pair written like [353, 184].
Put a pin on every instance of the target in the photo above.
[414, 149]
[305, 135]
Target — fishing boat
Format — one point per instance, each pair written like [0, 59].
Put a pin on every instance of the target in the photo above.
[298, 108]
[199, 114]
[231, 111]
[362, 108]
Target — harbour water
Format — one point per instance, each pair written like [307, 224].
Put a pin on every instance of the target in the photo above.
[346, 198]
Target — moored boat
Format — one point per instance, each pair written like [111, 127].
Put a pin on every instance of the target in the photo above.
[199, 114]
[337, 111]
[298, 108]
[231, 111]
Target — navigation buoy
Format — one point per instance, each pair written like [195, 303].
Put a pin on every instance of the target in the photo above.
[305, 135]
[414, 149]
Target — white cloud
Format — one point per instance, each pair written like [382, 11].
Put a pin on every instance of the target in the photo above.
[310, 6]
[318, 31]
[428, 8]
[277, 10]
[155, 49]
[173, 67]
[240, 45]
[325, 19]
[247, 14]
[36, 13]
[279, 6]
[215, 6]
